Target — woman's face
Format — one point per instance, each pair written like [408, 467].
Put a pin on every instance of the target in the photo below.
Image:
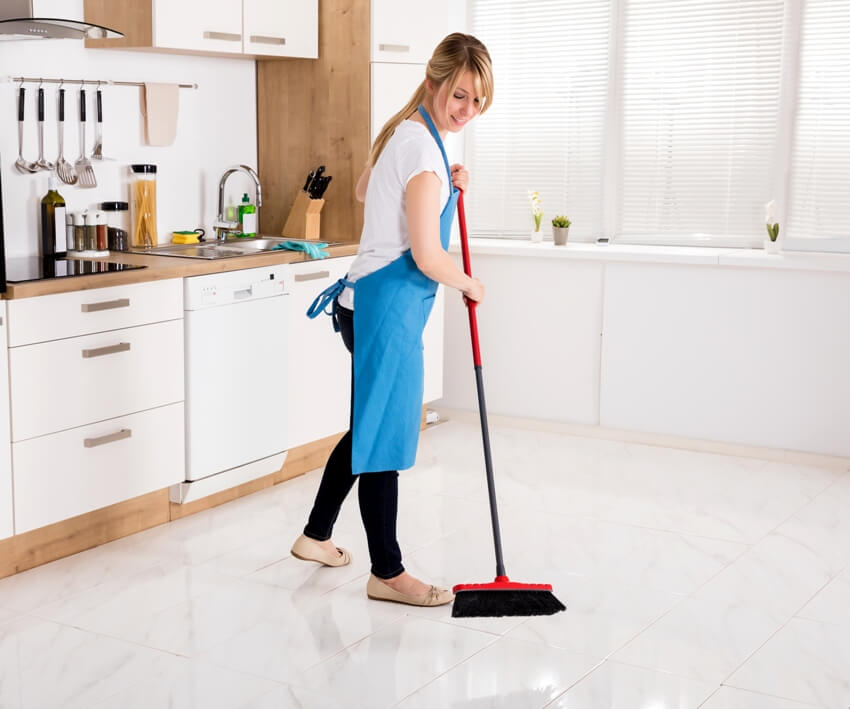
[453, 111]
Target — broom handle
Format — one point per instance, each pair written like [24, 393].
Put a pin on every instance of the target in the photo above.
[479, 381]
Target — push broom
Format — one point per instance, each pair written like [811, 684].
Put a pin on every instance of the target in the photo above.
[503, 597]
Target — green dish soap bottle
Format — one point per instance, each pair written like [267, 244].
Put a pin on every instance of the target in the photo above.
[247, 217]
[53, 241]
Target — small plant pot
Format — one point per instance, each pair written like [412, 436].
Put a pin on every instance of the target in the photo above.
[536, 237]
[771, 247]
[560, 234]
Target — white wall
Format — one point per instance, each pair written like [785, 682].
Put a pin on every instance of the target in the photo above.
[749, 354]
[216, 129]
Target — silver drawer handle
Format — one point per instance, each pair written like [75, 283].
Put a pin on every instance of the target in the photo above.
[108, 438]
[105, 305]
[312, 276]
[262, 39]
[226, 36]
[394, 47]
[111, 349]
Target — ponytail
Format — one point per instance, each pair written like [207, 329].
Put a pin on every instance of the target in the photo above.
[394, 122]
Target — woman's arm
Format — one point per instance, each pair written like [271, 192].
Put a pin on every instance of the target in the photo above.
[423, 224]
[362, 184]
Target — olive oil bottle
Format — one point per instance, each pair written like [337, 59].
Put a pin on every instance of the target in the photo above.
[53, 241]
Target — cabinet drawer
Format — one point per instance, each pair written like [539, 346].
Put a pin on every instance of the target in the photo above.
[77, 471]
[51, 317]
[66, 383]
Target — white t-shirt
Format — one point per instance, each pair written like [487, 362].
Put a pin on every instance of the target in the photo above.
[410, 151]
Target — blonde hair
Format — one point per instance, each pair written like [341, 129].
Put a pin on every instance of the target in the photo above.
[455, 54]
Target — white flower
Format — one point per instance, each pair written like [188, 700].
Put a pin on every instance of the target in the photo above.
[536, 203]
[770, 212]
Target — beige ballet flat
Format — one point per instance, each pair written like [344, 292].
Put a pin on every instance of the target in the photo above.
[308, 549]
[379, 591]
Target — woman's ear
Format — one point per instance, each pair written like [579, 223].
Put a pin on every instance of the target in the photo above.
[429, 86]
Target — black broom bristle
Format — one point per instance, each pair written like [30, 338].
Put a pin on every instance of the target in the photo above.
[495, 604]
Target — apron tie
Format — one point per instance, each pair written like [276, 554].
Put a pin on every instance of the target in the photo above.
[329, 297]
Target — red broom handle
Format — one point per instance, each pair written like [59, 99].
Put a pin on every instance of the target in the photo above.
[467, 269]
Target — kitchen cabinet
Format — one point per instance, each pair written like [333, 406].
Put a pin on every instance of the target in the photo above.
[96, 398]
[407, 31]
[319, 365]
[6, 528]
[246, 28]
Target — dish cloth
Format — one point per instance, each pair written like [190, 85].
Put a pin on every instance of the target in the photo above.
[159, 107]
[314, 249]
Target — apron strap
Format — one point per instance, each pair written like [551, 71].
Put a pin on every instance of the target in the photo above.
[329, 297]
[433, 129]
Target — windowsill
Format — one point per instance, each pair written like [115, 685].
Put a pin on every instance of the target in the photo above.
[640, 253]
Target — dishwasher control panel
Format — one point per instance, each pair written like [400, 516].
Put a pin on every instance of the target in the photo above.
[229, 287]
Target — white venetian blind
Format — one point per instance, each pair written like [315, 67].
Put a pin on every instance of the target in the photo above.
[544, 131]
[700, 99]
[820, 177]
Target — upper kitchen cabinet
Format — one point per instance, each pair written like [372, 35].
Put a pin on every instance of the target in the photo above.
[407, 31]
[247, 28]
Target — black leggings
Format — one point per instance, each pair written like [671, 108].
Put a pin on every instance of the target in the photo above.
[377, 492]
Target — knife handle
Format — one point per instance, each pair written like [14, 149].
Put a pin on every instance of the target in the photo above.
[310, 176]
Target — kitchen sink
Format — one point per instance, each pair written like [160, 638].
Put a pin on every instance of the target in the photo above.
[229, 248]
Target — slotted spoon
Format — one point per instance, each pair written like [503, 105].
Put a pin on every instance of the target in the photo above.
[85, 171]
[64, 169]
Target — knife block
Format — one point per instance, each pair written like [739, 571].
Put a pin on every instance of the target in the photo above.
[304, 217]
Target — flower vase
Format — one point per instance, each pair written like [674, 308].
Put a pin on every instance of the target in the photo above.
[771, 247]
[536, 237]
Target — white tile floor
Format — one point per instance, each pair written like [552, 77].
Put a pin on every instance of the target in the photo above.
[691, 580]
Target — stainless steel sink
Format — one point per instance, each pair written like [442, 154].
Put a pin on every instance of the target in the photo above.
[221, 249]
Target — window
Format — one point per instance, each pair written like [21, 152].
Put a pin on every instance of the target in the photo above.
[664, 121]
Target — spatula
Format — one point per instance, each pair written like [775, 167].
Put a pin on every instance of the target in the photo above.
[85, 171]
[64, 169]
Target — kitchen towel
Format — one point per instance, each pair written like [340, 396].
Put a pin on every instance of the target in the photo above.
[159, 107]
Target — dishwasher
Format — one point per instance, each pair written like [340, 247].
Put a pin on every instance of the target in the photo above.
[236, 328]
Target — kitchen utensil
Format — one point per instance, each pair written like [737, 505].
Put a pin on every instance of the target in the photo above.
[310, 176]
[85, 171]
[323, 186]
[97, 153]
[41, 162]
[21, 164]
[319, 172]
[64, 169]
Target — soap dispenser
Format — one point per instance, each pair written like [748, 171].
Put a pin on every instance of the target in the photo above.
[247, 217]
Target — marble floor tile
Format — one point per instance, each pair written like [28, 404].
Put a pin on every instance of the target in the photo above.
[190, 684]
[616, 686]
[394, 662]
[45, 665]
[807, 661]
[509, 674]
[780, 574]
[601, 616]
[832, 603]
[703, 640]
[731, 698]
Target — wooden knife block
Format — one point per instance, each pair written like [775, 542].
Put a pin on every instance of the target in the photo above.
[304, 217]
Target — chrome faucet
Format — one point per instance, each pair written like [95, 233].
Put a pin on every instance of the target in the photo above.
[221, 225]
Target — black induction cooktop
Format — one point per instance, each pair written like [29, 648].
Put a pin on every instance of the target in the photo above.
[20, 270]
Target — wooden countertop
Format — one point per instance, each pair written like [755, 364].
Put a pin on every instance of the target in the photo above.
[160, 268]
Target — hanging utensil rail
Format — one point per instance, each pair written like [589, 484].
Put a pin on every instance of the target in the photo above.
[91, 82]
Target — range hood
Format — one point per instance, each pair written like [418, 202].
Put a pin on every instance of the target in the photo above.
[17, 22]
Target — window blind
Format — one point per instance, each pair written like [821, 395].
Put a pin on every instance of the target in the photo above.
[820, 175]
[545, 129]
[700, 98]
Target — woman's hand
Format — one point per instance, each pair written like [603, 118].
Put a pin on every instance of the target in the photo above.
[460, 176]
[474, 291]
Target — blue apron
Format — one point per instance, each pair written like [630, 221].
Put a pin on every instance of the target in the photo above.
[391, 309]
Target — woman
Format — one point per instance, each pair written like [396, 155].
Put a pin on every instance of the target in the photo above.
[410, 194]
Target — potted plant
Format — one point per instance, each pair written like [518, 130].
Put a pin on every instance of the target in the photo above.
[771, 245]
[537, 215]
[560, 230]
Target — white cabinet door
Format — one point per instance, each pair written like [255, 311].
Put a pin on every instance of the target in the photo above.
[205, 25]
[6, 528]
[319, 364]
[408, 30]
[281, 28]
[432, 342]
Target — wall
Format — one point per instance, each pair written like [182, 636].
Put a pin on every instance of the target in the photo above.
[216, 129]
[753, 354]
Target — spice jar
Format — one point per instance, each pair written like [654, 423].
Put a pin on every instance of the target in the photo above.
[143, 206]
[100, 222]
[117, 215]
[91, 231]
[69, 232]
[79, 231]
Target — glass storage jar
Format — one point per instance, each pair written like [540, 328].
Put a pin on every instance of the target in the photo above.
[143, 206]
